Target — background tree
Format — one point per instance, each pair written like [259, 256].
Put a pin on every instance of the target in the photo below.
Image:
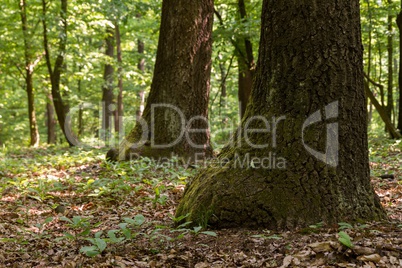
[56, 71]
[181, 80]
[321, 64]
[399, 23]
[29, 67]
[108, 86]
[245, 60]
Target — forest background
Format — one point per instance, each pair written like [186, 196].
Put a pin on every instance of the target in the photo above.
[110, 46]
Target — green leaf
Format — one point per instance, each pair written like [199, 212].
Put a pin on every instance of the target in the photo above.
[127, 233]
[85, 232]
[112, 236]
[69, 236]
[197, 229]
[47, 220]
[209, 233]
[101, 244]
[65, 219]
[345, 239]
[90, 251]
[139, 219]
[344, 225]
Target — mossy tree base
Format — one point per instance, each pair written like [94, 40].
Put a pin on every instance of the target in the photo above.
[225, 197]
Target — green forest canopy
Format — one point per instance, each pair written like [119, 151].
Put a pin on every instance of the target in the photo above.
[82, 75]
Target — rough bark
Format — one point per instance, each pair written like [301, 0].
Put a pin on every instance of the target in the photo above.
[399, 23]
[309, 67]
[29, 69]
[107, 88]
[181, 80]
[56, 71]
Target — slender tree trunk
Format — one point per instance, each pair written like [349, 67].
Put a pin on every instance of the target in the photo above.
[370, 48]
[1, 131]
[383, 113]
[107, 88]
[390, 48]
[141, 68]
[301, 154]
[245, 63]
[56, 71]
[29, 68]
[175, 116]
[399, 23]
[119, 110]
[51, 121]
[222, 101]
[80, 111]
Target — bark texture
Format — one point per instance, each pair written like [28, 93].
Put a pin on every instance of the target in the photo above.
[310, 63]
[181, 80]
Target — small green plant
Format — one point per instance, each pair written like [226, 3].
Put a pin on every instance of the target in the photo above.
[137, 221]
[317, 225]
[98, 245]
[77, 223]
[345, 239]
[344, 225]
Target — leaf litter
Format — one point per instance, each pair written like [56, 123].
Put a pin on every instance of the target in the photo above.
[64, 207]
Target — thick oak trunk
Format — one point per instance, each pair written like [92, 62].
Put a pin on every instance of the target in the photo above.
[174, 118]
[308, 162]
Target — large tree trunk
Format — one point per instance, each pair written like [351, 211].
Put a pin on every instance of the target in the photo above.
[107, 88]
[399, 23]
[29, 68]
[56, 71]
[308, 159]
[175, 116]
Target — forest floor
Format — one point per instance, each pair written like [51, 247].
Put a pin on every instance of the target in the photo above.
[66, 207]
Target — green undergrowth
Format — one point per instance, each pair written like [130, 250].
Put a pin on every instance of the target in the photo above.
[61, 194]
[74, 188]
